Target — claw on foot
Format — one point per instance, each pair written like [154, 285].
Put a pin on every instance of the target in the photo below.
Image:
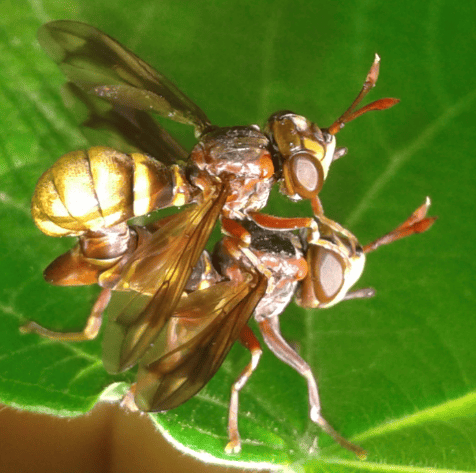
[128, 400]
[233, 446]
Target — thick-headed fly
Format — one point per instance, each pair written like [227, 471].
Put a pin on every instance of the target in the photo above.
[228, 175]
[175, 312]
[260, 280]
[241, 280]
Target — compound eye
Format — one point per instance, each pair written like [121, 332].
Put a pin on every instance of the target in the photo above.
[327, 273]
[306, 174]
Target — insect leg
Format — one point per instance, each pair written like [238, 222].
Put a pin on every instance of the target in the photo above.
[269, 328]
[249, 341]
[127, 401]
[233, 228]
[317, 206]
[271, 222]
[89, 332]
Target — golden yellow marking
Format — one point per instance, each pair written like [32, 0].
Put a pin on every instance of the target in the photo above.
[314, 146]
[179, 195]
[141, 187]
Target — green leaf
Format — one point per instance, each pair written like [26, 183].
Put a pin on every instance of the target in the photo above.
[396, 372]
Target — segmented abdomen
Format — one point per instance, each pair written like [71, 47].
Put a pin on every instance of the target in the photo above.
[99, 188]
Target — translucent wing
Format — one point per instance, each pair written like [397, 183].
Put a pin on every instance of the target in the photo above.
[123, 128]
[155, 277]
[195, 342]
[99, 65]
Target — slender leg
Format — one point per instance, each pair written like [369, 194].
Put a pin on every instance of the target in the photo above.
[317, 206]
[282, 223]
[249, 341]
[128, 399]
[233, 228]
[269, 328]
[89, 332]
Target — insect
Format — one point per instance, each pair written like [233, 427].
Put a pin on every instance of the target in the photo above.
[319, 267]
[228, 175]
[336, 259]
[160, 273]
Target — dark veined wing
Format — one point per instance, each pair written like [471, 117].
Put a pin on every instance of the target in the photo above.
[123, 128]
[155, 278]
[101, 66]
[195, 342]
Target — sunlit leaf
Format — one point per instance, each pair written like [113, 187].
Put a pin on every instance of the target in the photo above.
[397, 372]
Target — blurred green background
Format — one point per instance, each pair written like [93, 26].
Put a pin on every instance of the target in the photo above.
[397, 372]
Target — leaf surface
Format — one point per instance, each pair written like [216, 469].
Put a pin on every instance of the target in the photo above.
[396, 372]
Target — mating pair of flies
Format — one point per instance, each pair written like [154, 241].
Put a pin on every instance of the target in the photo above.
[175, 310]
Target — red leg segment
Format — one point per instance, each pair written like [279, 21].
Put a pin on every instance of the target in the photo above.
[249, 341]
[269, 328]
[281, 223]
[89, 332]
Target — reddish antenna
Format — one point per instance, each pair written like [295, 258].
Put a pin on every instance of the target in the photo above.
[418, 222]
[351, 114]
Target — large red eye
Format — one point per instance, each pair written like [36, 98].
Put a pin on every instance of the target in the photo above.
[306, 174]
[327, 272]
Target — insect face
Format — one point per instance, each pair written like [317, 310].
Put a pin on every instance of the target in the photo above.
[335, 260]
[304, 151]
